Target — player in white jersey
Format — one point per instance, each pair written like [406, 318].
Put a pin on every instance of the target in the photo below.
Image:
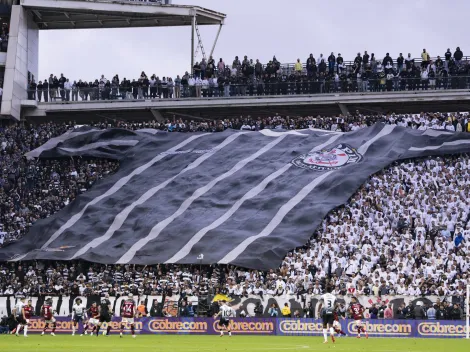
[18, 314]
[225, 313]
[78, 315]
[328, 303]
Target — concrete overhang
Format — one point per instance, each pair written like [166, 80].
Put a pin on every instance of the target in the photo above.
[82, 14]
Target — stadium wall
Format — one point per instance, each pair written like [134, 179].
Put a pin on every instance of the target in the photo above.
[21, 61]
[279, 327]
[63, 304]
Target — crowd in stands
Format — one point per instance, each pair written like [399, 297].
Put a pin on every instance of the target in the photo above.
[248, 78]
[405, 232]
[4, 32]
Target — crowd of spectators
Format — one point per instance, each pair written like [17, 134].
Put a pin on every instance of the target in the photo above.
[405, 232]
[4, 32]
[248, 78]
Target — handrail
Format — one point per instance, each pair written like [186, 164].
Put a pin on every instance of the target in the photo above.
[300, 86]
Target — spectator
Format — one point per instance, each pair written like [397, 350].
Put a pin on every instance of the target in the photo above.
[419, 312]
[373, 311]
[273, 311]
[286, 313]
[388, 313]
[431, 312]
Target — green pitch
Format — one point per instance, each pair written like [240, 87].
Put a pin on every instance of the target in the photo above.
[185, 343]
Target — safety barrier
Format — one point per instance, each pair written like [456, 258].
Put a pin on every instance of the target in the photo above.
[280, 327]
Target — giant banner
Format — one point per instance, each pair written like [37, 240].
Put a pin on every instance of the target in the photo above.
[272, 326]
[63, 304]
[234, 197]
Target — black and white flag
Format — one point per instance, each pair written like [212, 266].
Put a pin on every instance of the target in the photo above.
[244, 198]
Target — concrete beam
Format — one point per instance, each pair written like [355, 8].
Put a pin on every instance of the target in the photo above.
[206, 16]
[343, 108]
[157, 115]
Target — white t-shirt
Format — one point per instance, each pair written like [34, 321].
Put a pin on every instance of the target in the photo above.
[328, 302]
[226, 312]
[78, 310]
[19, 308]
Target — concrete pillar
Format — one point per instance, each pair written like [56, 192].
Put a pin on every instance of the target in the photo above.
[343, 108]
[22, 57]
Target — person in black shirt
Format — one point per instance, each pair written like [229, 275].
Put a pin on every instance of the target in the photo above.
[40, 88]
[45, 89]
[331, 63]
[400, 61]
[448, 55]
[32, 90]
[105, 314]
[61, 82]
[365, 58]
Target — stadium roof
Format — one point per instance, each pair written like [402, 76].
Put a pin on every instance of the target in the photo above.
[80, 14]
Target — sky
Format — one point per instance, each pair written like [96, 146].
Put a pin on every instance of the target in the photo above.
[261, 29]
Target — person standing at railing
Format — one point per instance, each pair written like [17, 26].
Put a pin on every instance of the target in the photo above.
[191, 86]
[45, 90]
[458, 56]
[425, 58]
[400, 61]
[51, 87]
[62, 81]
[331, 63]
[203, 66]
[221, 67]
[32, 90]
[447, 57]
[298, 67]
[68, 89]
[39, 88]
[171, 87]
[74, 91]
[373, 63]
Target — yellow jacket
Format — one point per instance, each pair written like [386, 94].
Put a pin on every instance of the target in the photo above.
[285, 311]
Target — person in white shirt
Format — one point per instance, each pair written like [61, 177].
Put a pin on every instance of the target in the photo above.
[19, 315]
[328, 303]
[78, 315]
[225, 313]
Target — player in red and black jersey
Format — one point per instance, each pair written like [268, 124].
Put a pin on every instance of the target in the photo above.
[357, 313]
[28, 313]
[93, 313]
[47, 312]
[337, 324]
[128, 312]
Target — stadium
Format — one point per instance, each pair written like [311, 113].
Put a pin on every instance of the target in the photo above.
[237, 198]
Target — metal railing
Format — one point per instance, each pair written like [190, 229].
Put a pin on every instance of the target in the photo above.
[297, 87]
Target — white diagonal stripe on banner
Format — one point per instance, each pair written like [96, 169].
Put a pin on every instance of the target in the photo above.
[183, 252]
[287, 207]
[445, 144]
[54, 142]
[383, 132]
[114, 142]
[116, 187]
[122, 216]
[157, 229]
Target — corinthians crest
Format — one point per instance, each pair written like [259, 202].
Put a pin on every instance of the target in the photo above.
[335, 158]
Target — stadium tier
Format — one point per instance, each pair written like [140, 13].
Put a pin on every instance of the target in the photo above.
[402, 233]
[211, 79]
[188, 220]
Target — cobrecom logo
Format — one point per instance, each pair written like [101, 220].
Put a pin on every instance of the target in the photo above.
[441, 329]
[390, 329]
[169, 326]
[248, 326]
[300, 327]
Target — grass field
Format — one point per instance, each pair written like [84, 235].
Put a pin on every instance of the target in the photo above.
[203, 343]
